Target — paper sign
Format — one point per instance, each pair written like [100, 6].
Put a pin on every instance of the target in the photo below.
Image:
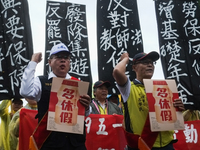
[163, 115]
[66, 114]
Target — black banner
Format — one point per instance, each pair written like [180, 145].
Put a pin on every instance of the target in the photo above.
[179, 38]
[66, 23]
[118, 31]
[16, 46]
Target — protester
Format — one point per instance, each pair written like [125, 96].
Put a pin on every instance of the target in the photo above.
[100, 104]
[191, 115]
[113, 98]
[14, 124]
[39, 88]
[6, 116]
[135, 100]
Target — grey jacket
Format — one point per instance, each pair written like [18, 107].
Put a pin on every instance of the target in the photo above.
[112, 108]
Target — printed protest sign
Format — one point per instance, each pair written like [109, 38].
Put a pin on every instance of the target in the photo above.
[66, 114]
[163, 115]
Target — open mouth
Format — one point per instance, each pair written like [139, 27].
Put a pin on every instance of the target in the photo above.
[62, 66]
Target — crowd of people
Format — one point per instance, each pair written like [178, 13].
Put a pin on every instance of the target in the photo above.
[36, 90]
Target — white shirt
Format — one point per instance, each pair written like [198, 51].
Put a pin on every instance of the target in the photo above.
[125, 90]
[31, 85]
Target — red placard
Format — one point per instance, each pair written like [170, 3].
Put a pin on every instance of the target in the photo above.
[27, 125]
[188, 138]
[105, 132]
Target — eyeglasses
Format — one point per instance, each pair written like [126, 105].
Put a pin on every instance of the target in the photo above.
[61, 57]
[146, 62]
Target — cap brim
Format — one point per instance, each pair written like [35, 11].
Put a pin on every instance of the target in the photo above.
[106, 83]
[61, 51]
[154, 56]
[17, 101]
[113, 95]
[58, 52]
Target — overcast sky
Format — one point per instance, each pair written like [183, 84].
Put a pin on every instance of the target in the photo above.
[37, 9]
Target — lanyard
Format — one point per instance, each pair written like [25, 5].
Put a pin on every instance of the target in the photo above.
[100, 106]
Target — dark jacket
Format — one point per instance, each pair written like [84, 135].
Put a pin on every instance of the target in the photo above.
[56, 140]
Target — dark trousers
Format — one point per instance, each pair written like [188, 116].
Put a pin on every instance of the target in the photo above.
[64, 141]
[67, 146]
[167, 147]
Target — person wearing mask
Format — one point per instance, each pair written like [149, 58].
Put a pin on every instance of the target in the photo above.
[6, 116]
[135, 101]
[100, 104]
[39, 88]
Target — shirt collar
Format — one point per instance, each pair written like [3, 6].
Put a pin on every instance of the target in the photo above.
[136, 81]
[102, 105]
[51, 75]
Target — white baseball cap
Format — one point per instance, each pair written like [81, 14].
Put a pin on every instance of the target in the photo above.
[59, 48]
